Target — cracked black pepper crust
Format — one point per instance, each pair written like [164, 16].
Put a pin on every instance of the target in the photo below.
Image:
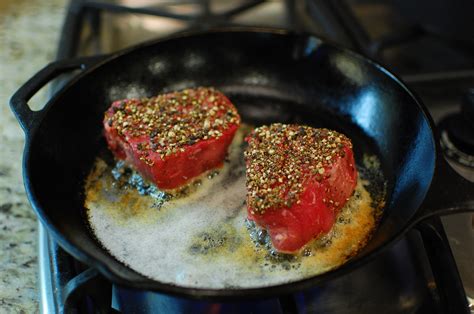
[169, 122]
[280, 158]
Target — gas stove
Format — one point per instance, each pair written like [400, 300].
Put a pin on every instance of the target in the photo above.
[440, 71]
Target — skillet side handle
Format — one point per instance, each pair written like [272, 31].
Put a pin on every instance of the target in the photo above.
[28, 118]
[443, 266]
[449, 194]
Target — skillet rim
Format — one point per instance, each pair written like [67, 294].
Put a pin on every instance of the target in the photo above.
[114, 275]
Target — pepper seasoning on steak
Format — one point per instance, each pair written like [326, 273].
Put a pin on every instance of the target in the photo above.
[172, 138]
[298, 179]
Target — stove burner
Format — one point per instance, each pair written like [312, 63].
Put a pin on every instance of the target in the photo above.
[400, 280]
[457, 133]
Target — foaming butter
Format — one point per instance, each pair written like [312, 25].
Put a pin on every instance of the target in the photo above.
[201, 239]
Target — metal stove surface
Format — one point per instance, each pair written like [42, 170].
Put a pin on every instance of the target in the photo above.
[401, 280]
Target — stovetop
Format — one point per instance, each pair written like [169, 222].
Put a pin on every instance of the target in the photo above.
[441, 73]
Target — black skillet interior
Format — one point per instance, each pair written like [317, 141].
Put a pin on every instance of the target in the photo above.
[270, 77]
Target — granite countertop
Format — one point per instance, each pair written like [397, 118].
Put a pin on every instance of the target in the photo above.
[29, 33]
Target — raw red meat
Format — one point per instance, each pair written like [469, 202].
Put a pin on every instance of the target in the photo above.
[172, 138]
[298, 179]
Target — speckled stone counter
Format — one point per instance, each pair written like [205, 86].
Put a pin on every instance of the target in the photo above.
[29, 32]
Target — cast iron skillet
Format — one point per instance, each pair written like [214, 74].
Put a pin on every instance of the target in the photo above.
[270, 75]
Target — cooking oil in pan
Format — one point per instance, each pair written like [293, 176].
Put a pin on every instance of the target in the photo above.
[201, 238]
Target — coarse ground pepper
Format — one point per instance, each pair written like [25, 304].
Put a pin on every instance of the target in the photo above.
[169, 122]
[281, 158]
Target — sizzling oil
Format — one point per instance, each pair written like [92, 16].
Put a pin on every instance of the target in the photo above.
[202, 240]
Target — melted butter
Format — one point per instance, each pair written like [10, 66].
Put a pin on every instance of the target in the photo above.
[118, 203]
[353, 227]
[201, 240]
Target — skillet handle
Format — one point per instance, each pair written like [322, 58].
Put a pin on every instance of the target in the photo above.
[28, 118]
[449, 194]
